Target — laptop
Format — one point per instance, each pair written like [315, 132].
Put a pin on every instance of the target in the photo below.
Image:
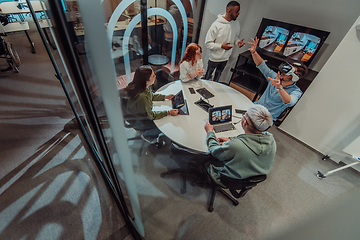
[178, 102]
[220, 118]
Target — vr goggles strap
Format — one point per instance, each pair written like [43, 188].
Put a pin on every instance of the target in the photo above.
[288, 70]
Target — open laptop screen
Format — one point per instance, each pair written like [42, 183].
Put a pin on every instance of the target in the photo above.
[220, 114]
[178, 100]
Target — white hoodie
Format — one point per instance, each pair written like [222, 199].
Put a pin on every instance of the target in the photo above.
[220, 32]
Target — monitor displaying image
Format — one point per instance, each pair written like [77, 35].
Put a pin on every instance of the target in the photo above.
[289, 42]
[301, 46]
[273, 38]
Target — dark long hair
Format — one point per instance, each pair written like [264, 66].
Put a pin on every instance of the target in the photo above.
[190, 53]
[138, 84]
[301, 69]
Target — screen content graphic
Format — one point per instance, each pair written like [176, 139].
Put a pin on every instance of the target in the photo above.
[221, 115]
[273, 38]
[289, 42]
[301, 46]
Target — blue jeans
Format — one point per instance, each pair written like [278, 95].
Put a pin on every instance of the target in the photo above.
[219, 66]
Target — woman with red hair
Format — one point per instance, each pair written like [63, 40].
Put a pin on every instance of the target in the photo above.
[191, 66]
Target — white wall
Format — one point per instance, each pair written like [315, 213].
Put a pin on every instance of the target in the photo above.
[212, 9]
[330, 15]
[327, 117]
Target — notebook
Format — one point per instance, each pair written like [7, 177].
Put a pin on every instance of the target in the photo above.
[205, 93]
[178, 102]
[220, 118]
[203, 105]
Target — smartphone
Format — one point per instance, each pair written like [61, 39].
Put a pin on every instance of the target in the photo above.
[240, 111]
[192, 91]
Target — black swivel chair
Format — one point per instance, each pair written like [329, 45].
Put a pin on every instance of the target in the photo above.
[237, 187]
[282, 116]
[130, 122]
[189, 162]
[162, 78]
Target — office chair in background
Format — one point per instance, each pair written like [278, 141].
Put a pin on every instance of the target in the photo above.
[189, 162]
[9, 53]
[162, 78]
[237, 187]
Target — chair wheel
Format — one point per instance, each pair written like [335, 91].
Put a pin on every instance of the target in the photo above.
[162, 175]
[236, 203]
[183, 191]
[210, 209]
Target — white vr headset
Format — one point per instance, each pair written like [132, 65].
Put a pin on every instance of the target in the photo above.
[289, 70]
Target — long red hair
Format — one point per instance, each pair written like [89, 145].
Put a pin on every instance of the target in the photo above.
[190, 53]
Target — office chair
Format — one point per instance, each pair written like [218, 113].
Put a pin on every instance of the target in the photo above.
[9, 53]
[189, 162]
[131, 122]
[162, 78]
[176, 73]
[282, 116]
[237, 187]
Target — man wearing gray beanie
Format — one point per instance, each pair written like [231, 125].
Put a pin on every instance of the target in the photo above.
[246, 155]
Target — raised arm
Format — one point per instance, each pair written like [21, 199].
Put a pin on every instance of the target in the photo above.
[285, 97]
[256, 57]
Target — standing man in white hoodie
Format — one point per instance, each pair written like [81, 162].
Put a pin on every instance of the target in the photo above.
[222, 35]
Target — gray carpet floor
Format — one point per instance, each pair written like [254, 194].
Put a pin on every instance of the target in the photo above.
[50, 187]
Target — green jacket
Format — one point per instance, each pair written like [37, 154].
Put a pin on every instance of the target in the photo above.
[142, 105]
[241, 157]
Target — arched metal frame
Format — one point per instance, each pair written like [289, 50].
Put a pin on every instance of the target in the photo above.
[131, 26]
[153, 11]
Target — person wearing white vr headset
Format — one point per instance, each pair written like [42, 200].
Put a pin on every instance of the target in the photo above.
[281, 91]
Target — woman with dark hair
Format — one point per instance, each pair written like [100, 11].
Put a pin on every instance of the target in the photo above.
[191, 66]
[140, 103]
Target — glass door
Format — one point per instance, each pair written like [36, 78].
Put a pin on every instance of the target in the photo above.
[101, 44]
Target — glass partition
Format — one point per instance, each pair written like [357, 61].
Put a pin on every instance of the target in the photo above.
[100, 51]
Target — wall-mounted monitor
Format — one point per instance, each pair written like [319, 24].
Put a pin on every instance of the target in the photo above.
[289, 41]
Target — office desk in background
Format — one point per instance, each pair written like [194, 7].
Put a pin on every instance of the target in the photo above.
[12, 7]
[19, 8]
[118, 37]
[188, 130]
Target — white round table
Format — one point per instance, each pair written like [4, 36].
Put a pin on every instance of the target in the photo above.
[188, 130]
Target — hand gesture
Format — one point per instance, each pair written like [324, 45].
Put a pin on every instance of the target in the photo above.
[221, 140]
[201, 71]
[208, 127]
[174, 112]
[170, 96]
[226, 46]
[276, 82]
[241, 43]
[253, 44]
